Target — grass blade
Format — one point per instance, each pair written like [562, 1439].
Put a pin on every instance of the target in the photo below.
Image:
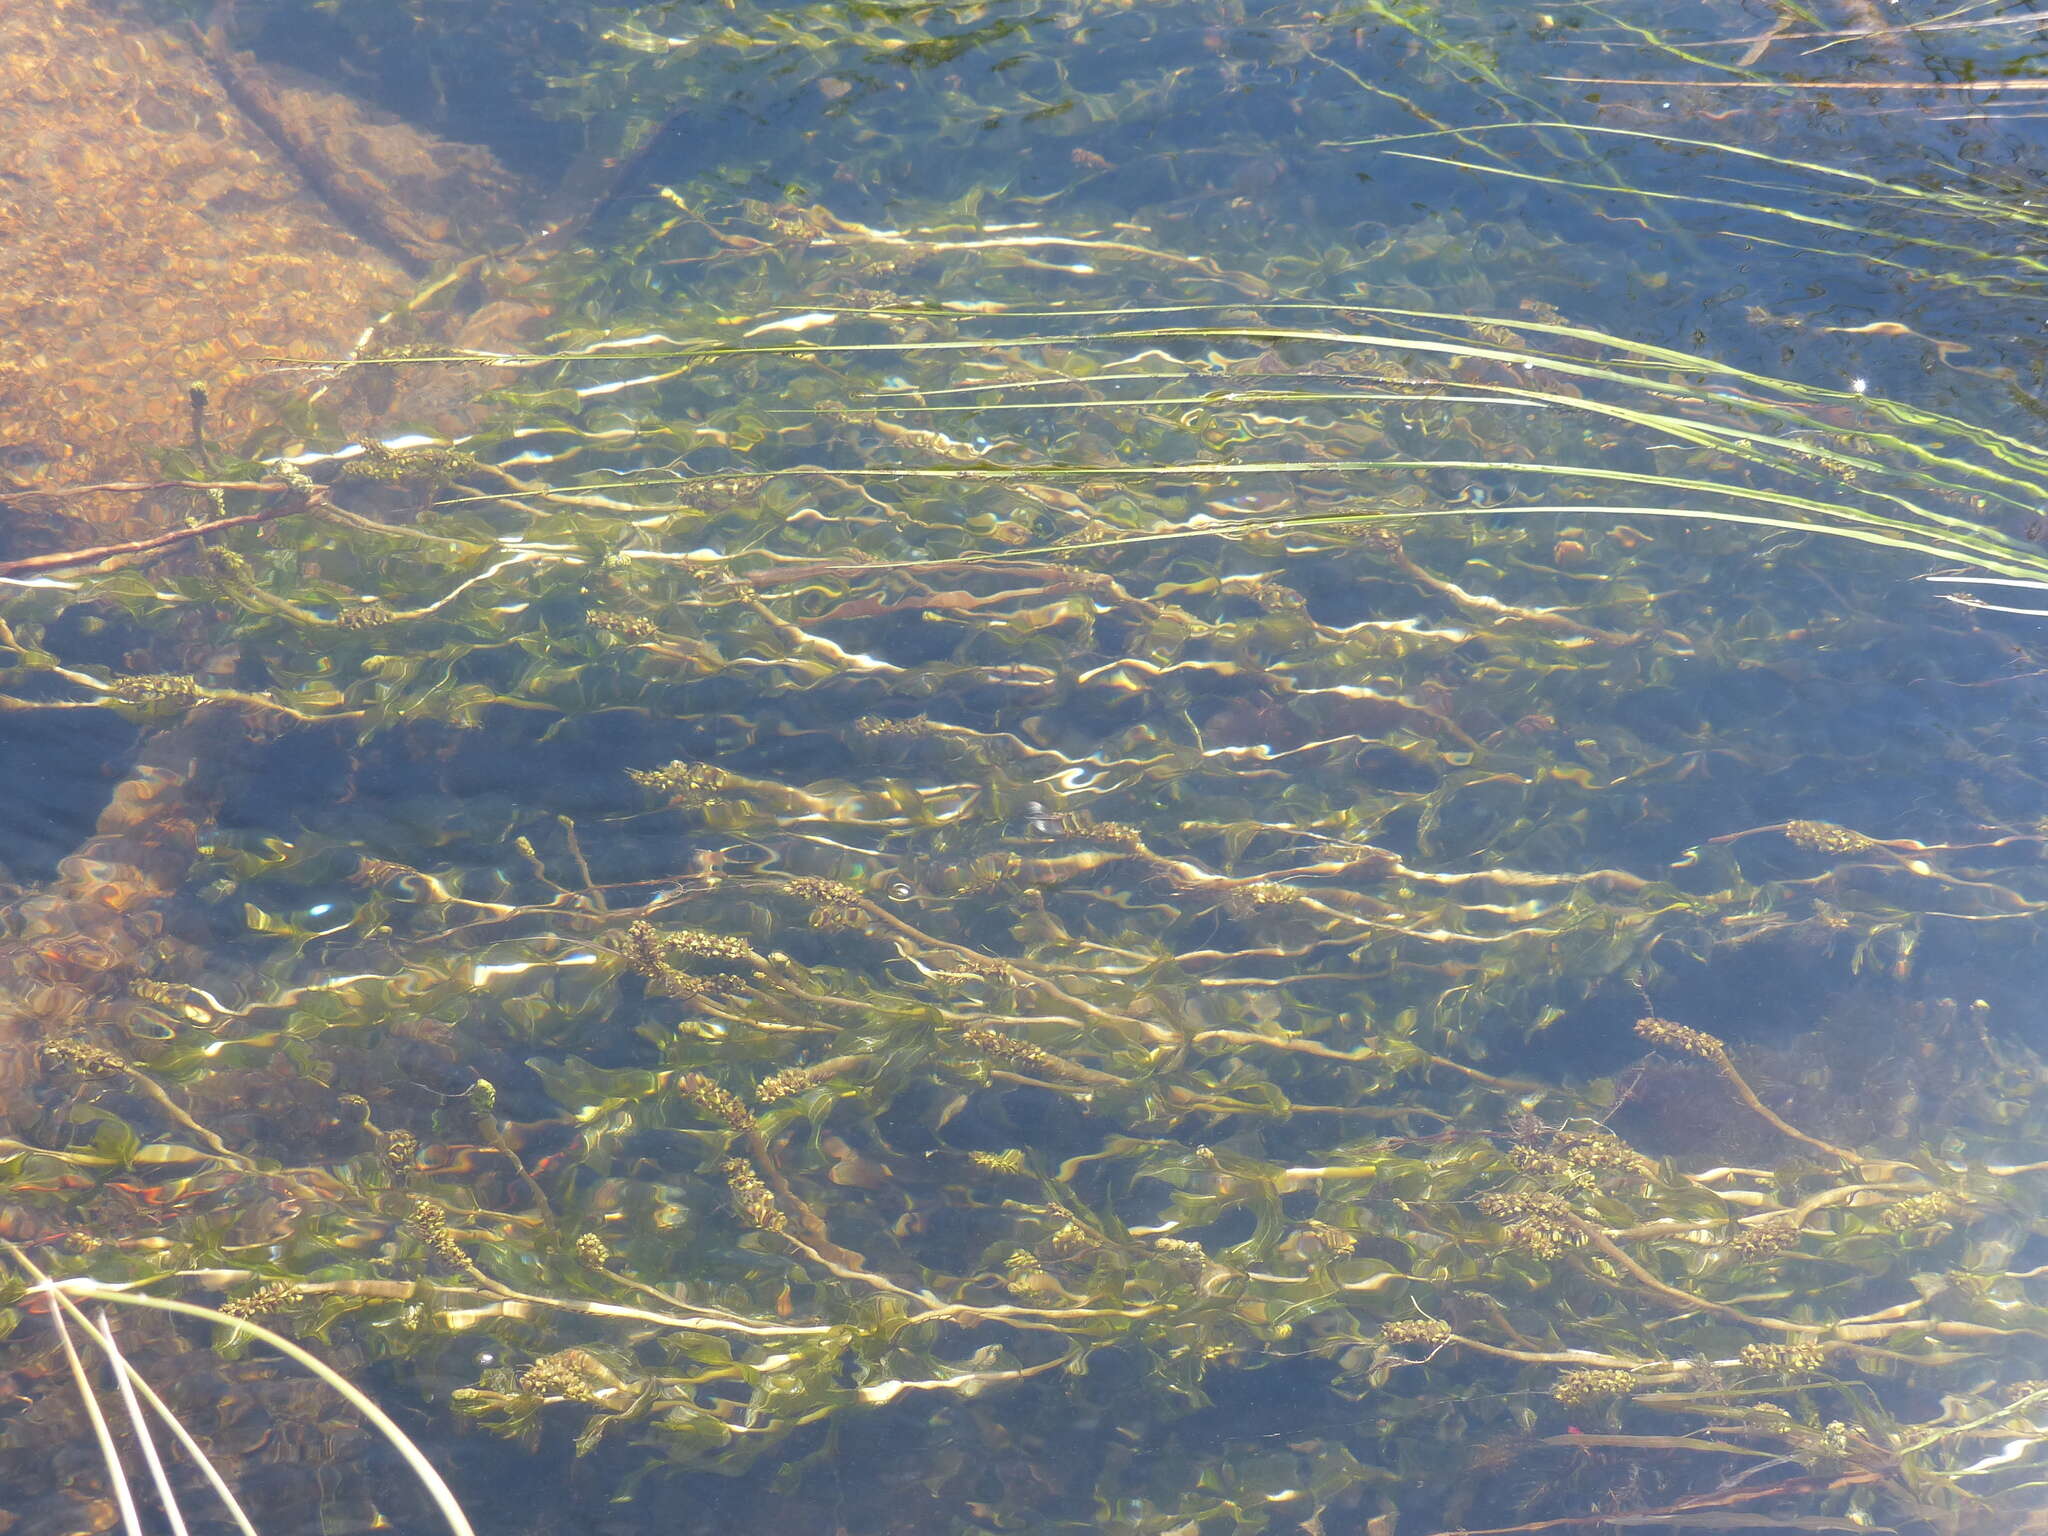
[117, 1477]
[437, 1489]
[103, 1335]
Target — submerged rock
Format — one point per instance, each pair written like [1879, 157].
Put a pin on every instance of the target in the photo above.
[180, 213]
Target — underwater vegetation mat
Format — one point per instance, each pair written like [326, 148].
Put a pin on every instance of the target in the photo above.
[891, 859]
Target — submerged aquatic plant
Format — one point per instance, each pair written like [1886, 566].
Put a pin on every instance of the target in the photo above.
[1026, 833]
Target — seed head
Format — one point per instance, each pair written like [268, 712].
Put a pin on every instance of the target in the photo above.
[685, 784]
[81, 1057]
[1784, 1359]
[1765, 1239]
[714, 1102]
[1577, 1389]
[1826, 837]
[557, 1376]
[274, 1296]
[625, 626]
[399, 1151]
[751, 1198]
[1010, 1162]
[1918, 1211]
[1681, 1037]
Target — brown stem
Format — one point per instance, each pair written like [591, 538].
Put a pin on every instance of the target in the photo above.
[68, 557]
[144, 487]
[154, 1092]
[813, 1225]
[1684, 1507]
[1685, 1301]
[1777, 1122]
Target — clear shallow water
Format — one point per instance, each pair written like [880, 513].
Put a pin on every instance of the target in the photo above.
[1126, 643]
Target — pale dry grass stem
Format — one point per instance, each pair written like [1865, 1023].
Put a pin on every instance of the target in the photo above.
[135, 1393]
